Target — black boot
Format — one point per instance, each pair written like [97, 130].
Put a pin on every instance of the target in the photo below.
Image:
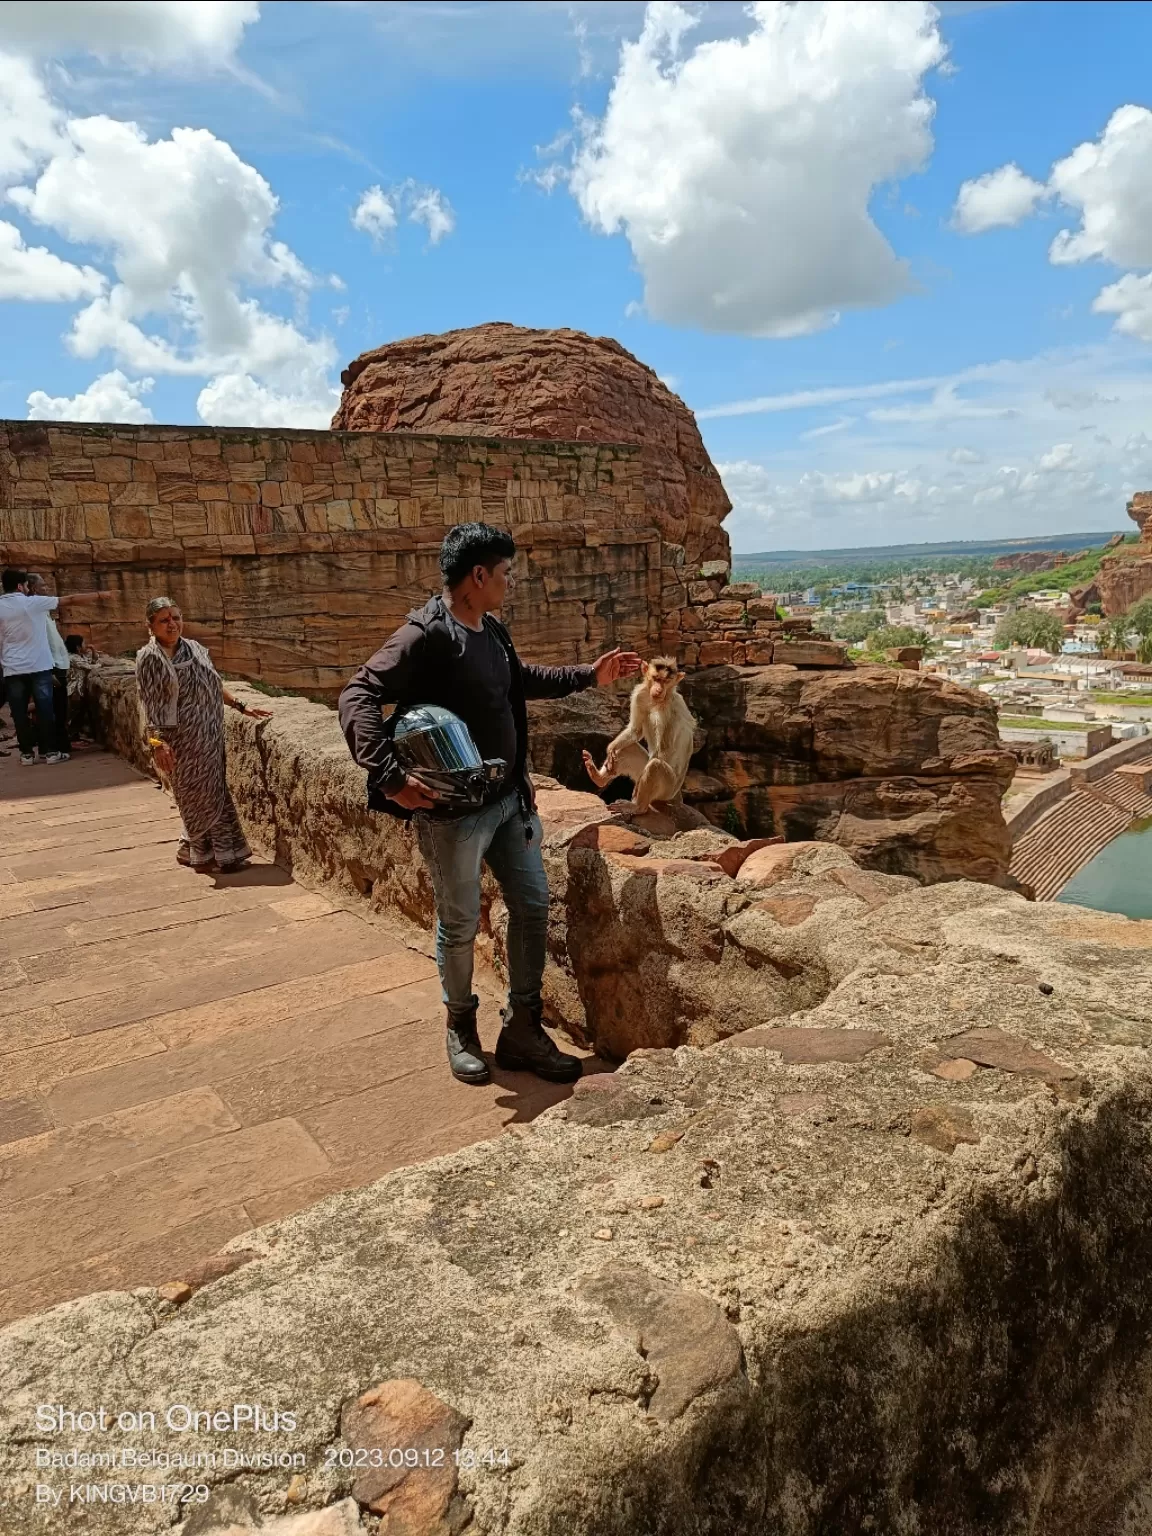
[523, 1046]
[464, 1054]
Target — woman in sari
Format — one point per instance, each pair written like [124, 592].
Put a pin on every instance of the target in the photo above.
[182, 699]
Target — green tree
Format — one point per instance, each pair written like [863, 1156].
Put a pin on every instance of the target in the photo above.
[1139, 616]
[1112, 635]
[1030, 628]
[855, 627]
[890, 637]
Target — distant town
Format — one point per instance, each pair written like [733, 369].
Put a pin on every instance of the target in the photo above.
[1015, 619]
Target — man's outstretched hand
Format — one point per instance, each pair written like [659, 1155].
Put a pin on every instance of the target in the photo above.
[614, 664]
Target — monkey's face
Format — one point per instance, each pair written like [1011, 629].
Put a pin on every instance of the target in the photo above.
[661, 680]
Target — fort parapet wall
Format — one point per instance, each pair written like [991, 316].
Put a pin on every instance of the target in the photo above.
[293, 553]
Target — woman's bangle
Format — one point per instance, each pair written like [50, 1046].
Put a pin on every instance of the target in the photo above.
[240, 705]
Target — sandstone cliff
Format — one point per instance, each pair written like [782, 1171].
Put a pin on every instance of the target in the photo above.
[507, 381]
[1125, 577]
[902, 769]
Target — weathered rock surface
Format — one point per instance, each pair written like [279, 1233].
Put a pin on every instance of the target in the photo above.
[507, 381]
[687, 1341]
[806, 1295]
[342, 1519]
[408, 1440]
[903, 770]
[1125, 576]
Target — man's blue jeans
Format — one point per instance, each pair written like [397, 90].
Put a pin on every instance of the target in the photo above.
[32, 685]
[454, 851]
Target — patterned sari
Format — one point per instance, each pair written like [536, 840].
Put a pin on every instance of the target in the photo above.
[183, 703]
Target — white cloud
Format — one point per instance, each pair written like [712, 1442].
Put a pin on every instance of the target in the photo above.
[187, 228]
[914, 502]
[374, 213]
[180, 231]
[34, 273]
[432, 209]
[30, 126]
[378, 212]
[180, 216]
[1002, 197]
[1061, 456]
[801, 399]
[945, 405]
[1108, 183]
[237, 400]
[205, 32]
[828, 428]
[741, 170]
[1130, 298]
[1077, 399]
[901, 475]
[111, 397]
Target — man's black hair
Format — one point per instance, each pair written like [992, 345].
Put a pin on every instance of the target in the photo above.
[74, 644]
[12, 579]
[472, 544]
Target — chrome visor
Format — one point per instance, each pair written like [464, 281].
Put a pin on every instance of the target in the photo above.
[431, 737]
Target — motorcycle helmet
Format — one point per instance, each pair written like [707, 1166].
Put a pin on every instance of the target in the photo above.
[436, 746]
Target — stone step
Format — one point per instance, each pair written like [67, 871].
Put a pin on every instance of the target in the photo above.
[1070, 836]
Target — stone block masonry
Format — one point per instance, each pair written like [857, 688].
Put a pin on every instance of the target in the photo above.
[709, 621]
[293, 553]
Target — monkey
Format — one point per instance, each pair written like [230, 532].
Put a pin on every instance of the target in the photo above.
[658, 715]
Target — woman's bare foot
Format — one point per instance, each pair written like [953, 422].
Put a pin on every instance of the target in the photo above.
[599, 776]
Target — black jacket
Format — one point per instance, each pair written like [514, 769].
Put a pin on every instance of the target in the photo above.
[416, 665]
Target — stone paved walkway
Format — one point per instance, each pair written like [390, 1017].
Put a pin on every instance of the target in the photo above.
[184, 1056]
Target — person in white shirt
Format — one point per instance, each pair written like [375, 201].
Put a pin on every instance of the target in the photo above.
[26, 660]
[61, 661]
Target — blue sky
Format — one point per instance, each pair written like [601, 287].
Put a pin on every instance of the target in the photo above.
[765, 204]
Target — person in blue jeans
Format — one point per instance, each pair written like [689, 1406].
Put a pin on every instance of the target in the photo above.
[26, 660]
[454, 652]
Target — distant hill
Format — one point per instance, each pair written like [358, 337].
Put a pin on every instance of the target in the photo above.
[964, 549]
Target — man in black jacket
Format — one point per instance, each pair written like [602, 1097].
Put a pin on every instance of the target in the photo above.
[454, 652]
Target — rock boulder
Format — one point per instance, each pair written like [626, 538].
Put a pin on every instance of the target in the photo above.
[500, 380]
[902, 769]
[799, 1284]
[1125, 576]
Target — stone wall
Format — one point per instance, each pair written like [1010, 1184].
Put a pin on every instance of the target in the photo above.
[654, 932]
[711, 621]
[881, 1263]
[295, 553]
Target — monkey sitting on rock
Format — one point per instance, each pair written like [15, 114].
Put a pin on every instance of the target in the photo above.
[659, 717]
